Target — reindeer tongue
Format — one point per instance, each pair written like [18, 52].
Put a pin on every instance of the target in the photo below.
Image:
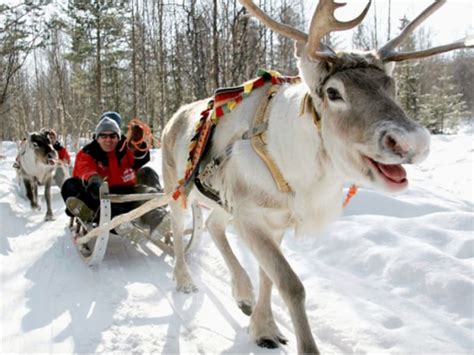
[395, 173]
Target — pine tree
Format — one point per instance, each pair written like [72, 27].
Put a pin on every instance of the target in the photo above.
[408, 77]
[99, 50]
[442, 109]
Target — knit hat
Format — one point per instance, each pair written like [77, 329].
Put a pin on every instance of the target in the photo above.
[113, 115]
[107, 124]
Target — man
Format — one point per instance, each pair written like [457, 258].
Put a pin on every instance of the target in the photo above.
[109, 158]
[63, 171]
[62, 151]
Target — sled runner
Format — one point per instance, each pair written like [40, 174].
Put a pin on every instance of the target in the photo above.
[91, 238]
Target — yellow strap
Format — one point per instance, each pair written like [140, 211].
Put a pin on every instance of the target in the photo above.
[259, 142]
[308, 106]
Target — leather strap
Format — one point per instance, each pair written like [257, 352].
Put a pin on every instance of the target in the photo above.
[259, 142]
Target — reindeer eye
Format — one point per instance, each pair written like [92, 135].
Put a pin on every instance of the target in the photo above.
[35, 144]
[333, 94]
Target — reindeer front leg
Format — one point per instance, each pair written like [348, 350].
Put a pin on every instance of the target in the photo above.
[184, 282]
[47, 195]
[30, 187]
[273, 263]
[263, 328]
[242, 289]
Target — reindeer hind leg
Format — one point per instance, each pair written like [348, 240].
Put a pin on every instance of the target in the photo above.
[184, 281]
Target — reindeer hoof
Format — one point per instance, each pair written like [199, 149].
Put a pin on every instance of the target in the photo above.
[267, 343]
[245, 307]
[188, 288]
[49, 218]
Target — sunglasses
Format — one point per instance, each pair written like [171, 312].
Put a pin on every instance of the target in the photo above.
[108, 135]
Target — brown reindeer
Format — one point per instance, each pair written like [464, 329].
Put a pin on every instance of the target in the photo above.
[340, 124]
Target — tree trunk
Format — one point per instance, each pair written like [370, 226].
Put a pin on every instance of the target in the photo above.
[98, 59]
[215, 42]
[134, 65]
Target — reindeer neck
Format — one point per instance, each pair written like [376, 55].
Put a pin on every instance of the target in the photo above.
[294, 137]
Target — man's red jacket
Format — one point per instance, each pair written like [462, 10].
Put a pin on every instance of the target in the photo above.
[63, 154]
[118, 168]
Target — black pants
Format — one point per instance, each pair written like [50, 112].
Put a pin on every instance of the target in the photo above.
[147, 181]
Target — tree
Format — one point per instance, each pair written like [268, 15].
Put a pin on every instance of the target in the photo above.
[98, 32]
[408, 77]
[22, 29]
[442, 108]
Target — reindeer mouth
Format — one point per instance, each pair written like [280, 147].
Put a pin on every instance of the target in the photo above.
[51, 162]
[393, 175]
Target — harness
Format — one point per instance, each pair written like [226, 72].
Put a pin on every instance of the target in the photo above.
[200, 167]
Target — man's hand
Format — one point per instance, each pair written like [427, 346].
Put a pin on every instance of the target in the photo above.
[93, 186]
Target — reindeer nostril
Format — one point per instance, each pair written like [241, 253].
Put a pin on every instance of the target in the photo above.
[393, 145]
[390, 142]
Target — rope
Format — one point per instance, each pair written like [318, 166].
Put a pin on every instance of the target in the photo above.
[350, 194]
[147, 136]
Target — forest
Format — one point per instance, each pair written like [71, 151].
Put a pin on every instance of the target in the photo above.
[63, 63]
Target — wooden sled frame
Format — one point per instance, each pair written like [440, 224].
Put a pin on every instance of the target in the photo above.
[85, 235]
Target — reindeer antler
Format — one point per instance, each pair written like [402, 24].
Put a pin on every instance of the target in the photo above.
[281, 28]
[324, 22]
[388, 54]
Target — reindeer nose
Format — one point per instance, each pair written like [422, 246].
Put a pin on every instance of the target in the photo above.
[394, 144]
[412, 146]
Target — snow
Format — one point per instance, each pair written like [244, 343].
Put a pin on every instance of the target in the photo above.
[394, 274]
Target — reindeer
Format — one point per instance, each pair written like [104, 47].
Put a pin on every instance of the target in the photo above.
[340, 124]
[36, 166]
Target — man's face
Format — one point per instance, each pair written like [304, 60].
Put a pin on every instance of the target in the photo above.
[108, 140]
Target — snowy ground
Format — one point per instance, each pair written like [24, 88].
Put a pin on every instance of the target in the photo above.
[393, 275]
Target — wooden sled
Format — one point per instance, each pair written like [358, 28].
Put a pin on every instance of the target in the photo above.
[91, 239]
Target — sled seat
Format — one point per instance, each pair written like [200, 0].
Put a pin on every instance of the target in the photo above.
[91, 239]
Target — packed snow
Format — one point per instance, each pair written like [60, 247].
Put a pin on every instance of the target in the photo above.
[394, 274]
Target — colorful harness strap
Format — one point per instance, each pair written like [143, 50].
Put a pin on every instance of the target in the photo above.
[224, 101]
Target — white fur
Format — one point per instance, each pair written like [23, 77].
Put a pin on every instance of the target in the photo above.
[33, 166]
[35, 171]
[315, 163]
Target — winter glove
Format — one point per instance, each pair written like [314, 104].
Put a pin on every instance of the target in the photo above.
[93, 186]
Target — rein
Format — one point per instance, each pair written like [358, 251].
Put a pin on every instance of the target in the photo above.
[147, 137]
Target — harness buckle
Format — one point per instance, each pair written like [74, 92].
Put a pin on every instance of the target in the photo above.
[209, 170]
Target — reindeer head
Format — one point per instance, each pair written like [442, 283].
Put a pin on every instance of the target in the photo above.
[41, 145]
[365, 132]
